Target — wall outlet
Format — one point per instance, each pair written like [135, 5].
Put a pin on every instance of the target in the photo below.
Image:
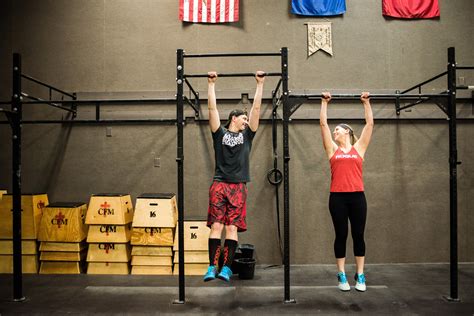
[156, 162]
[108, 131]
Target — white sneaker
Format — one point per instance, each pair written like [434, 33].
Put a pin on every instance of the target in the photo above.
[343, 284]
[360, 282]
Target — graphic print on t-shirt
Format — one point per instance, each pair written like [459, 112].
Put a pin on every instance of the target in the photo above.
[231, 139]
[340, 156]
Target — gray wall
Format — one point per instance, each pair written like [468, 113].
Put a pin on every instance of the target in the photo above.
[128, 49]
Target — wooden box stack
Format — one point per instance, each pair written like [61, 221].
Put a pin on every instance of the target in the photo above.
[32, 208]
[62, 235]
[109, 217]
[196, 254]
[153, 228]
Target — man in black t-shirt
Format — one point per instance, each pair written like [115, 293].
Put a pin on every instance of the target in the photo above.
[228, 192]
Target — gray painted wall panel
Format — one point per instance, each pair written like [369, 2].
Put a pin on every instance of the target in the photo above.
[128, 48]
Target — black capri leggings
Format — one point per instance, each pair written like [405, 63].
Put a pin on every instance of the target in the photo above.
[350, 206]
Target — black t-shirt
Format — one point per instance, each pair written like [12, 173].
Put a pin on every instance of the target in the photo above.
[232, 151]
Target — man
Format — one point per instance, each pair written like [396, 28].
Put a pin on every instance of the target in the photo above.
[228, 192]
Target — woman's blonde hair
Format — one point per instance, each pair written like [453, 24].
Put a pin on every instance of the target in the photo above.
[354, 138]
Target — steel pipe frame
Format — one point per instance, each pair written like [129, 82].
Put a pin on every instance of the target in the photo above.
[16, 119]
[453, 163]
[450, 96]
[180, 81]
[16, 111]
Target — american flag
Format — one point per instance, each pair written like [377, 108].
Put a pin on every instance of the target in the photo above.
[209, 11]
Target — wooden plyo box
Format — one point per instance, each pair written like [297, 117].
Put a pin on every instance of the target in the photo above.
[155, 210]
[63, 246]
[63, 222]
[29, 263]
[192, 268]
[108, 252]
[151, 261]
[152, 251]
[28, 247]
[112, 209]
[108, 268]
[57, 267]
[109, 233]
[152, 236]
[32, 206]
[63, 256]
[193, 256]
[152, 270]
[196, 236]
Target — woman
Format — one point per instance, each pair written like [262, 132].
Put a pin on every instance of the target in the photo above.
[347, 200]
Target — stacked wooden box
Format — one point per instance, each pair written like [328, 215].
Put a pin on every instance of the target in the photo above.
[32, 208]
[153, 228]
[196, 253]
[62, 235]
[109, 217]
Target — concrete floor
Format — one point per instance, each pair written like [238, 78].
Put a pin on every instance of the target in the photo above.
[392, 289]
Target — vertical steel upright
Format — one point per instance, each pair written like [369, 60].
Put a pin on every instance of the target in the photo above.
[286, 171]
[180, 162]
[16, 118]
[453, 162]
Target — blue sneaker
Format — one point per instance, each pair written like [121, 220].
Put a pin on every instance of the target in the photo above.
[360, 282]
[210, 274]
[343, 284]
[225, 273]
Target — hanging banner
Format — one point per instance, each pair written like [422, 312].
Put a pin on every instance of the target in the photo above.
[411, 9]
[209, 11]
[318, 7]
[319, 37]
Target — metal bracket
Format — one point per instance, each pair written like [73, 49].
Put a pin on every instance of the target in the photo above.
[443, 107]
[196, 105]
[9, 114]
[295, 104]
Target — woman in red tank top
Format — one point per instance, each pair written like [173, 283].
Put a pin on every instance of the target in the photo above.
[347, 200]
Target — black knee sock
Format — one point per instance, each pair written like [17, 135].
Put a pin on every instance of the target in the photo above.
[214, 251]
[229, 250]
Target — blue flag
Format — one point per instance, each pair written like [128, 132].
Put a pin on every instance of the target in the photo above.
[318, 7]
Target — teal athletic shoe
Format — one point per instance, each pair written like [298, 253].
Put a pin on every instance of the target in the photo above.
[360, 282]
[210, 274]
[225, 273]
[343, 284]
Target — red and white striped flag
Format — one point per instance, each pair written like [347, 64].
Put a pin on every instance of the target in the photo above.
[209, 11]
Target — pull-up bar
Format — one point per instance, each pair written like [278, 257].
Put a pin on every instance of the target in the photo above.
[382, 96]
[242, 74]
[230, 55]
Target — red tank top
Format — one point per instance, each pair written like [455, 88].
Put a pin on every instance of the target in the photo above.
[346, 171]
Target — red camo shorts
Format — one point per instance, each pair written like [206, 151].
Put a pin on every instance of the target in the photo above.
[228, 204]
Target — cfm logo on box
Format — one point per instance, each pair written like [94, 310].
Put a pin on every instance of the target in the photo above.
[152, 230]
[105, 209]
[59, 219]
[108, 229]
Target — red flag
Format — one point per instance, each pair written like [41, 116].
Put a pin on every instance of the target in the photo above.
[209, 11]
[411, 9]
